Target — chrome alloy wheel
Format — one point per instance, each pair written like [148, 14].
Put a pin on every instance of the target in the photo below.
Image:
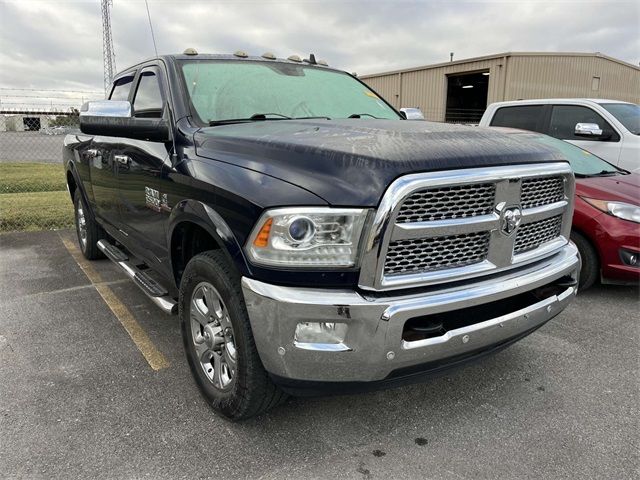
[82, 226]
[212, 336]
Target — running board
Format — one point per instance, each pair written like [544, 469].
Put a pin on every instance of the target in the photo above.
[156, 292]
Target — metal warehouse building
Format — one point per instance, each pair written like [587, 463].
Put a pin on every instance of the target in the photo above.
[459, 91]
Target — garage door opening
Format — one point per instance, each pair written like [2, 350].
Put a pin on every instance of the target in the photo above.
[466, 97]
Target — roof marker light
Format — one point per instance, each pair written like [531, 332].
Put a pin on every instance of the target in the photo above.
[240, 53]
[190, 51]
[269, 56]
[323, 62]
[294, 58]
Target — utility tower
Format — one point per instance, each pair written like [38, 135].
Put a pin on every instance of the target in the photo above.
[108, 56]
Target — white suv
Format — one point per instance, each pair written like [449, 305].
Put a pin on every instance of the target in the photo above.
[609, 129]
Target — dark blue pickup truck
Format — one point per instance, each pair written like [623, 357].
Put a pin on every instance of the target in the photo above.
[308, 236]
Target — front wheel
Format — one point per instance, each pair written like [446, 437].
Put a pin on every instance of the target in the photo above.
[218, 340]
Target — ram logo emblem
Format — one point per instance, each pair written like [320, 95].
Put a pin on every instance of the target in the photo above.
[510, 221]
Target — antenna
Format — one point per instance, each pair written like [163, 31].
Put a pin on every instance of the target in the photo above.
[108, 55]
[153, 37]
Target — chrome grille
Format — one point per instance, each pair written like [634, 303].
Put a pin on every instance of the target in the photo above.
[532, 235]
[454, 225]
[444, 203]
[541, 191]
[436, 253]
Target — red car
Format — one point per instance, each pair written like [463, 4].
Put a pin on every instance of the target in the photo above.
[606, 221]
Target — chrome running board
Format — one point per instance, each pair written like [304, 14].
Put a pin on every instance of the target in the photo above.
[156, 292]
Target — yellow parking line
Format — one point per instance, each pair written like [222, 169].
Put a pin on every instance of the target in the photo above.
[154, 357]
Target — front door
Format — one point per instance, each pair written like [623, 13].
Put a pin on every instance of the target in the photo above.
[563, 122]
[99, 157]
[142, 167]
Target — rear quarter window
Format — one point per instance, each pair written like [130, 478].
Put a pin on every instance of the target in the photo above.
[526, 117]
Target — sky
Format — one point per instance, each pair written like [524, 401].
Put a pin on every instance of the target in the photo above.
[57, 44]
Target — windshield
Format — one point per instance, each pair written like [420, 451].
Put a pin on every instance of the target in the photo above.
[225, 90]
[583, 163]
[627, 114]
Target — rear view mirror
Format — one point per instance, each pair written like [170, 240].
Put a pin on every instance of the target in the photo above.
[106, 108]
[112, 118]
[588, 130]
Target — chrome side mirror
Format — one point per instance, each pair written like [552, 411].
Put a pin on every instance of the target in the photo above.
[588, 130]
[106, 108]
[112, 118]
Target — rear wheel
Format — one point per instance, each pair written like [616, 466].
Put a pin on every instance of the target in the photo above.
[88, 231]
[218, 340]
[590, 264]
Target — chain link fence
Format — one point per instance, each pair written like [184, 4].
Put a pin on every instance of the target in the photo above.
[33, 193]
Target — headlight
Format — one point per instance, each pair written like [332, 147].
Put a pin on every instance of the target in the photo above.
[307, 237]
[626, 211]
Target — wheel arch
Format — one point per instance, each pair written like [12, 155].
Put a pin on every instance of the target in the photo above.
[75, 184]
[195, 227]
[582, 232]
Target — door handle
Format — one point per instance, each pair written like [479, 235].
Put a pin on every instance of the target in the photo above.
[122, 159]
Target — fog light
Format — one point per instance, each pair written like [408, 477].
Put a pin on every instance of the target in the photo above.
[630, 258]
[312, 332]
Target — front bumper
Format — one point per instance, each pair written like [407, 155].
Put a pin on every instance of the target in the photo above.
[374, 348]
[612, 235]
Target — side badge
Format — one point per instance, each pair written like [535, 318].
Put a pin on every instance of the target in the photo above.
[156, 201]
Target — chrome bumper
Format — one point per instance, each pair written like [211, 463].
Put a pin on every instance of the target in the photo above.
[373, 346]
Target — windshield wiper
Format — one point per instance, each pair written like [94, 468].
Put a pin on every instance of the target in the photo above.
[263, 116]
[605, 173]
[256, 117]
[311, 118]
[359, 115]
[602, 173]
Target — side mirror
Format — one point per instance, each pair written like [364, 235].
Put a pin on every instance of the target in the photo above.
[588, 130]
[112, 118]
[403, 114]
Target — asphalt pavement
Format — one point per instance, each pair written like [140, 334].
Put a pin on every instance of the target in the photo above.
[79, 400]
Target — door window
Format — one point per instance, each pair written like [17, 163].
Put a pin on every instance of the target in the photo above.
[565, 117]
[526, 117]
[148, 100]
[121, 88]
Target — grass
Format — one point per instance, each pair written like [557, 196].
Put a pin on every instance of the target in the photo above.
[33, 196]
[35, 211]
[31, 177]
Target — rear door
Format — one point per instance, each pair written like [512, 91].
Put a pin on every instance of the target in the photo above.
[525, 117]
[142, 167]
[562, 124]
[100, 158]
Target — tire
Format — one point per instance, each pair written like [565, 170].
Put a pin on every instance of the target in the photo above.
[87, 230]
[216, 332]
[590, 265]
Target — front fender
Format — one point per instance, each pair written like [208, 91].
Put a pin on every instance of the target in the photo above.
[201, 214]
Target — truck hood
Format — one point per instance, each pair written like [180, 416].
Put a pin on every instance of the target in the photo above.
[621, 188]
[351, 162]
